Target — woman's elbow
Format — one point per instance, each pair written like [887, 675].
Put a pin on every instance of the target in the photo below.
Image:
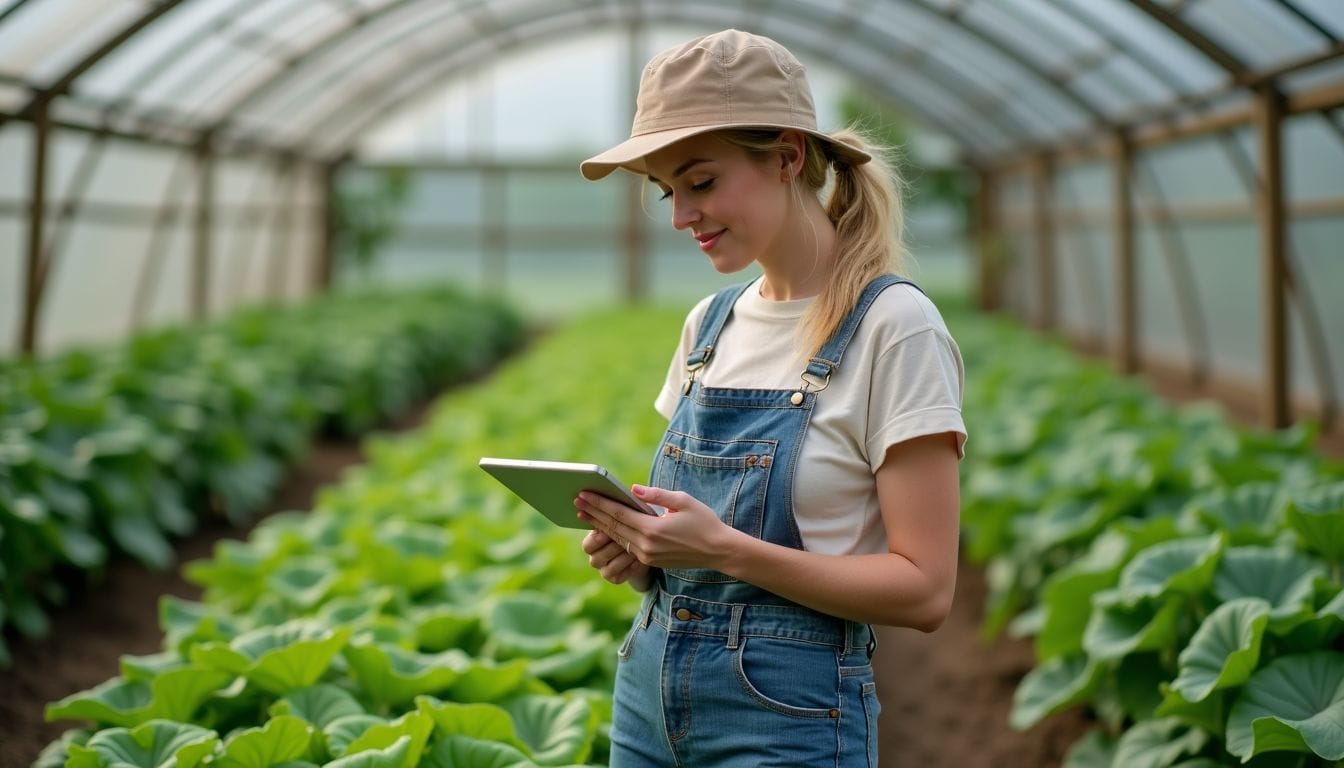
[933, 610]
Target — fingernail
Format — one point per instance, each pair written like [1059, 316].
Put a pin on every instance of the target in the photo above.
[640, 490]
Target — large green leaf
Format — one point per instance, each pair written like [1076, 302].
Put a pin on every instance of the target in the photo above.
[155, 744]
[279, 659]
[1095, 749]
[466, 752]
[557, 729]
[393, 675]
[530, 624]
[1158, 744]
[396, 755]
[1067, 597]
[319, 704]
[1293, 703]
[1252, 513]
[172, 695]
[1118, 627]
[478, 721]
[1052, 687]
[1224, 650]
[281, 740]
[1318, 518]
[1286, 580]
[1181, 567]
[417, 726]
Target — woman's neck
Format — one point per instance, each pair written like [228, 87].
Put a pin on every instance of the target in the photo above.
[800, 264]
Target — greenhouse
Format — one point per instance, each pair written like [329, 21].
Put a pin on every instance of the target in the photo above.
[276, 275]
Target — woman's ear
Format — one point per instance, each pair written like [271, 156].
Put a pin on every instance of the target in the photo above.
[791, 158]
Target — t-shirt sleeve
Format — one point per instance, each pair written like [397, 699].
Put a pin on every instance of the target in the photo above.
[916, 391]
[666, 401]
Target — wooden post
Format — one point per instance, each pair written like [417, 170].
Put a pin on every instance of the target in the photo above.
[324, 272]
[494, 221]
[1045, 242]
[636, 229]
[987, 240]
[1269, 205]
[37, 216]
[1125, 352]
[205, 203]
[283, 224]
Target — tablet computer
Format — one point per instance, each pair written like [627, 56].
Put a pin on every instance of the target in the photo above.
[551, 486]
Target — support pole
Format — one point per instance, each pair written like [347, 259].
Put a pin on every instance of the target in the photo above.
[494, 223]
[1269, 205]
[986, 241]
[1126, 356]
[636, 224]
[37, 216]
[205, 204]
[1046, 313]
[326, 243]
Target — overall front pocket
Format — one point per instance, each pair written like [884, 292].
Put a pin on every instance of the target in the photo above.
[791, 677]
[729, 476]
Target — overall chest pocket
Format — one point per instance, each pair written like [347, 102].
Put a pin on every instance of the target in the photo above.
[729, 476]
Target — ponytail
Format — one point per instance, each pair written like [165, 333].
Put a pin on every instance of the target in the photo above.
[865, 206]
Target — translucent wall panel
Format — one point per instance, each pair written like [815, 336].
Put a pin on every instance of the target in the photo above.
[1318, 265]
[88, 298]
[1314, 176]
[12, 270]
[1017, 286]
[16, 164]
[1084, 251]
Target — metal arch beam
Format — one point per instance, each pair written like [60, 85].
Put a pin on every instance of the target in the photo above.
[340, 36]
[1240, 72]
[1056, 83]
[950, 81]
[358, 121]
[63, 83]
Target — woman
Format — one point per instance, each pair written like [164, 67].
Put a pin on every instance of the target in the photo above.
[809, 469]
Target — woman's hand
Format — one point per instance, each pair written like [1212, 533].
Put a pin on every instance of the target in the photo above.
[613, 561]
[690, 535]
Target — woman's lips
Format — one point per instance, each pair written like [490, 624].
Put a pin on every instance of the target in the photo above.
[708, 241]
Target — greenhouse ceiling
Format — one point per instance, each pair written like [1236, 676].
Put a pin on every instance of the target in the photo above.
[309, 77]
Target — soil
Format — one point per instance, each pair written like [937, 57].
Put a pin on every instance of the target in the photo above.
[945, 695]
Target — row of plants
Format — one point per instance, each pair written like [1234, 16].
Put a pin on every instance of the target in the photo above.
[1181, 576]
[419, 614]
[118, 449]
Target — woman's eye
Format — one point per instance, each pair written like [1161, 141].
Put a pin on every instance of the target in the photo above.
[666, 194]
[703, 186]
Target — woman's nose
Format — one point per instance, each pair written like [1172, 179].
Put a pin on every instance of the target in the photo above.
[684, 213]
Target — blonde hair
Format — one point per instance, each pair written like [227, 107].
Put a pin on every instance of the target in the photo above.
[867, 209]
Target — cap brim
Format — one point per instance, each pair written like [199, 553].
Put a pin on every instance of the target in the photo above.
[630, 153]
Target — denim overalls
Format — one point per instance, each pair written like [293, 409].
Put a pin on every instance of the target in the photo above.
[715, 671]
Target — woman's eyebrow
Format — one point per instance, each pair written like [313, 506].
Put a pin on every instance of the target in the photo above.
[684, 167]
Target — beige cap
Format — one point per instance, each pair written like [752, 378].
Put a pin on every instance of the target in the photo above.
[730, 79]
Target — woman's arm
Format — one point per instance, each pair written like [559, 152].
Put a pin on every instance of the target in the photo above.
[911, 585]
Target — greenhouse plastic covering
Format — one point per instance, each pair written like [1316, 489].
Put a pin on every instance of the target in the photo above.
[311, 75]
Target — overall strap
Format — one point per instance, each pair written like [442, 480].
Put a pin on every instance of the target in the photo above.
[720, 307]
[828, 358]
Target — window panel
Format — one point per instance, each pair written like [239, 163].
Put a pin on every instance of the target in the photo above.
[294, 25]
[1257, 32]
[1135, 29]
[153, 51]
[1031, 43]
[1324, 12]
[45, 39]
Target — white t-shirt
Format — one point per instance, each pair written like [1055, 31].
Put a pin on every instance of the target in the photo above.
[901, 377]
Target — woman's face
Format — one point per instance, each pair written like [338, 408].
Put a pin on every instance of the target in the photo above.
[733, 204]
